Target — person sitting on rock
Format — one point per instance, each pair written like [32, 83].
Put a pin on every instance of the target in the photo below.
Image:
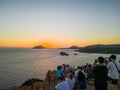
[71, 81]
[62, 85]
[59, 72]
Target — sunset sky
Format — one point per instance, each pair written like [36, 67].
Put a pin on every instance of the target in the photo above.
[59, 23]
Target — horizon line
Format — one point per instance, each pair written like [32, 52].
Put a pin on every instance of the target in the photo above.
[56, 47]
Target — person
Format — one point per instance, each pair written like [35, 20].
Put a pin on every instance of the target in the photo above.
[67, 69]
[59, 72]
[81, 81]
[113, 72]
[62, 85]
[100, 71]
[96, 62]
[76, 72]
[70, 80]
[106, 60]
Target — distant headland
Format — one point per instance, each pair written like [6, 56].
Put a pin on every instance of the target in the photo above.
[98, 48]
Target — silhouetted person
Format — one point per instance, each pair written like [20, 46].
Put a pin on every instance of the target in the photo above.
[100, 72]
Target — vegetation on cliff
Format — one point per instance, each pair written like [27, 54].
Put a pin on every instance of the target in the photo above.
[111, 48]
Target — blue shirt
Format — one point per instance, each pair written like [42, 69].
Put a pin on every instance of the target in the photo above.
[59, 73]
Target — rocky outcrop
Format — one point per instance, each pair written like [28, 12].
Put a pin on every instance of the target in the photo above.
[49, 84]
[37, 84]
[30, 81]
[64, 54]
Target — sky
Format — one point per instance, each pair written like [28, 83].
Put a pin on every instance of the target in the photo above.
[59, 23]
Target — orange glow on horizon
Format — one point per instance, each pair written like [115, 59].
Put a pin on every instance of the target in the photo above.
[52, 44]
[47, 44]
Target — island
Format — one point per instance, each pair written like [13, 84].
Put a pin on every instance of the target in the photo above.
[38, 47]
[73, 47]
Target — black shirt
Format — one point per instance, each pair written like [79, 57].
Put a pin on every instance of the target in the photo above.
[100, 73]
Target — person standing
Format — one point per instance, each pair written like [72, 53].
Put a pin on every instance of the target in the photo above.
[113, 71]
[100, 71]
[81, 80]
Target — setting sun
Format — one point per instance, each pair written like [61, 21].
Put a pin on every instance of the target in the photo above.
[47, 44]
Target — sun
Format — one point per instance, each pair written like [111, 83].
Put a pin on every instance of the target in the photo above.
[46, 44]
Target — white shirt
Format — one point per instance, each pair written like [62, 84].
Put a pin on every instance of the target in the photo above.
[113, 72]
[71, 82]
[62, 86]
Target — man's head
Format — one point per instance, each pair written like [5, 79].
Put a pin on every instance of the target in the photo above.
[113, 57]
[101, 60]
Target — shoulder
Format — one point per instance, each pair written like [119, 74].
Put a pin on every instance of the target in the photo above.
[58, 85]
[66, 79]
[110, 63]
[105, 67]
[80, 72]
[73, 79]
[94, 68]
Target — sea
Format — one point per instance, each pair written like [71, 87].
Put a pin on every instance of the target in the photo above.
[20, 64]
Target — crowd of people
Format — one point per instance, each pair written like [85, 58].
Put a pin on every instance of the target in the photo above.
[102, 71]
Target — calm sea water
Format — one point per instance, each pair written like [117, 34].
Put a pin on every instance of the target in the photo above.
[18, 65]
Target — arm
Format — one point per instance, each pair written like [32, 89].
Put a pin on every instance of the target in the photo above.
[108, 66]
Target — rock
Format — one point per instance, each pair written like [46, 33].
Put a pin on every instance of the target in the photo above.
[75, 54]
[31, 81]
[64, 54]
[38, 47]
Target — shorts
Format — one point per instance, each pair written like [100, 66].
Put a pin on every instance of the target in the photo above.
[114, 81]
[101, 86]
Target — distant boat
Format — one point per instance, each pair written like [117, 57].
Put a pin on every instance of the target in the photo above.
[64, 54]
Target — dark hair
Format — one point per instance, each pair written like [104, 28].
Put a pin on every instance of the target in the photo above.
[101, 59]
[113, 56]
[59, 67]
[81, 76]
